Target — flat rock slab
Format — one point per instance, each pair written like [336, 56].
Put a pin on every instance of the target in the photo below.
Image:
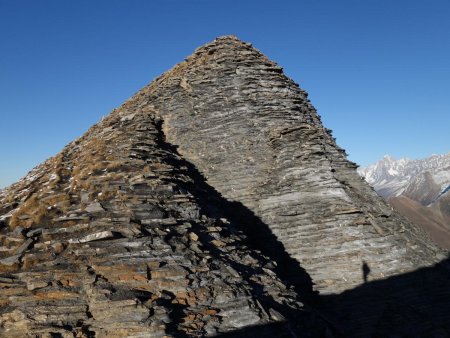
[94, 208]
[93, 237]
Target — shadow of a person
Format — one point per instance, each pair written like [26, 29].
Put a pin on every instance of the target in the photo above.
[365, 270]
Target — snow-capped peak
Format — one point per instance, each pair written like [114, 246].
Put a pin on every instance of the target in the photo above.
[391, 177]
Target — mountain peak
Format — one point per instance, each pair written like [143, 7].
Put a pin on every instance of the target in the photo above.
[392, 177]
[252, 132]
[211, 202]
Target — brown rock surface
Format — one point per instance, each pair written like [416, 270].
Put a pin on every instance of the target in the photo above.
[192, 210]
[434, 223]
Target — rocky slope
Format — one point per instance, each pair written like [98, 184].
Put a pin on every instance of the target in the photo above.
[213, 202]
[112, 238]
[434, 223]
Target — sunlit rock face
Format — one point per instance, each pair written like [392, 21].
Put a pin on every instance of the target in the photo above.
[257, 139]
[213, 202]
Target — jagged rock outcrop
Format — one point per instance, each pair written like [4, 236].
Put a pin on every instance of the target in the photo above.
[203, 206]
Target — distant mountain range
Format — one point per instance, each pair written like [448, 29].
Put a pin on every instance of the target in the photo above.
[418, 189]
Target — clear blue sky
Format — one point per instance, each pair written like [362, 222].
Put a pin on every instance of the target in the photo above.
[378, 71]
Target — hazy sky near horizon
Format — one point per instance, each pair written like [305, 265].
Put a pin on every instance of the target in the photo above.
[378, 71]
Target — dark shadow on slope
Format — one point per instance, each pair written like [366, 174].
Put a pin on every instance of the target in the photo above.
[256, 235]
[269, 330]
[415, 304]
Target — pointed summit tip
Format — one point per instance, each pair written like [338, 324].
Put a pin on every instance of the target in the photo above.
[227, 42]
[230, 39]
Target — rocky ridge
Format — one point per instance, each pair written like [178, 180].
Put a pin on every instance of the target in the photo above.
[194, 210]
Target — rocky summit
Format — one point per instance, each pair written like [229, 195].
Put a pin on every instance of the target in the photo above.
[213, 203]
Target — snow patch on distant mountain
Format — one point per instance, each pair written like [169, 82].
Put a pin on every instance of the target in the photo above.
[418, 189]
[423, 180]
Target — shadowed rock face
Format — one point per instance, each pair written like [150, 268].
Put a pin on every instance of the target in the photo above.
[207, 205]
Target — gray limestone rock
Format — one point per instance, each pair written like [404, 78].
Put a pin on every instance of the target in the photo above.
[94, 208]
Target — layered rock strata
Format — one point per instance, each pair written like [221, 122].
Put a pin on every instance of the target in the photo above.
[255, 136]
